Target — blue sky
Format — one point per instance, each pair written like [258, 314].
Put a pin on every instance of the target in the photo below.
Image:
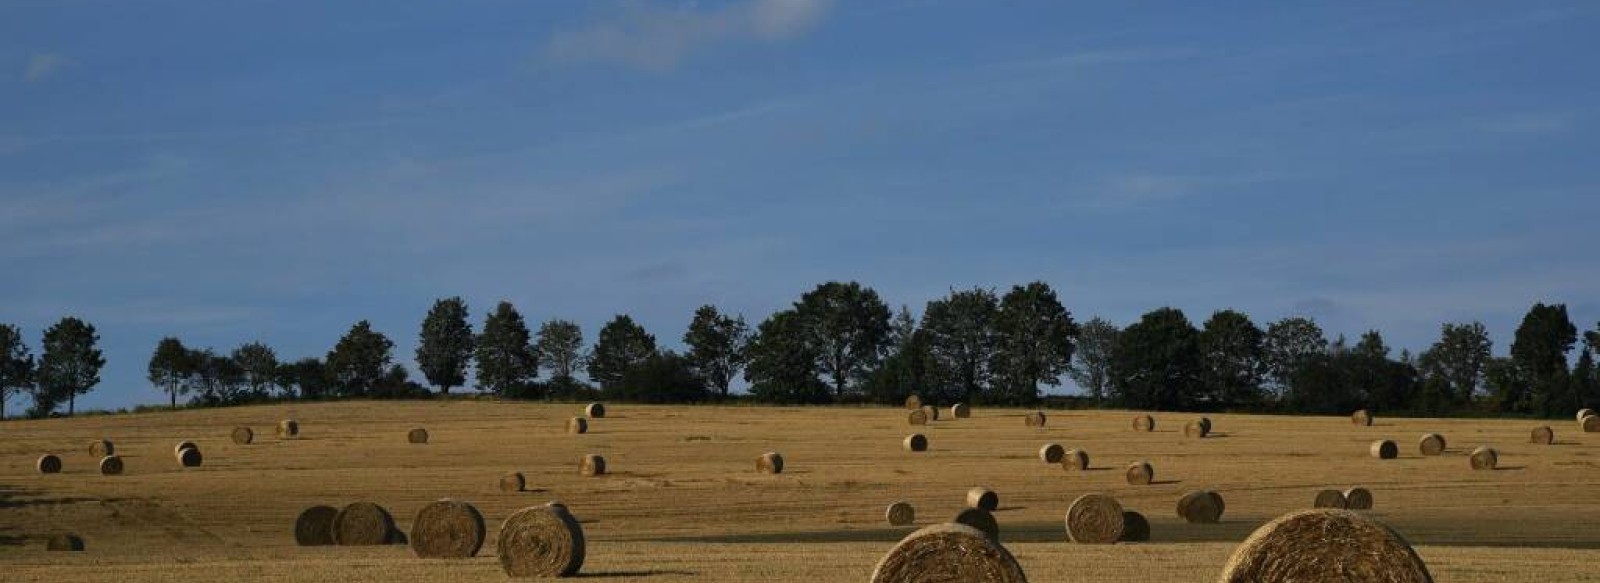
[246, 170]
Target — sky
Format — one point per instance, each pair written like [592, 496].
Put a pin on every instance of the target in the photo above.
[239, 170]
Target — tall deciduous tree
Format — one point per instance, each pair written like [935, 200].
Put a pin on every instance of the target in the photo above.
[663, 377]
[963, 341]
[1035, 342]
[71, 363]
[507, 363]
[622, 344]
[358, 363]
[1288, 345]
[1231, 353]
[444, 347]
[308, 375]
[1091, 369]
[1156, 362]
[1457, 359]
[259, 365]
[217, 379]
[171, 366]
[717, 347]
[16, 365]
[783, 362]
[848, 324]
[560, 349]
[1540, 352]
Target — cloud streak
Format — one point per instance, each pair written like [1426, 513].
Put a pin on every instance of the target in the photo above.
[43, 65]
[657, 39]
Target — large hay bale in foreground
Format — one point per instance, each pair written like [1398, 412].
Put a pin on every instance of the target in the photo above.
[948, 552]
[1075, 460]
[541, 541]
[1358, 498]
[1330, 499]
[418, 435]
[64, 542]
[900, 513]
[980, 519]
[288, 429]
[102, 448]
[1542, 435]
[1201, 507]
[1484, 458]
[1431, 444]
[362, 524]
[1384, 449]
[111, 465]
[1051, 453]
[177, 449]
[984, 498]
[49, 464]
[931, 411]
[595, 411]
[770, 463]
[242, 435]
[1135, 527]
[960, 411]
[513, 482]
[1034, 419]
[314, 526]
[1140, 473]
[190, 457]
[915, 442]
[914, 402]
[593, 465]
[1196, 429]
[917, 417]
[1094, 519]
[1324, 545]
[1361, 417]
[1144, 423]
[1585, 413]
[447, 529]
[577, 425]
[1590, 424]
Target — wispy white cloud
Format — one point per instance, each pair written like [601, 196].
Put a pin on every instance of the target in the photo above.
[43, 65]
[655, 38]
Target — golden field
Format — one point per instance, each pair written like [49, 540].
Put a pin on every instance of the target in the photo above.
[683, 500]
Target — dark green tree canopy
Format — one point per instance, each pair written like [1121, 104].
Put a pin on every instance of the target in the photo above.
[664, 377]
[444, 347]
[171, 367]
[622, 344]
[783, 362]
[1156, 362]
[507, 362]
[1457, 360]
[1540, 353]
[259, 365]
[849, 327]
[1091, 369]
[963, 343]
[1288, 345]
[309, 376]
[1036, 342]
[357, 364]
[71, 363]
[717, 347]
[16, 365]
[1231, 348]
[560, 348]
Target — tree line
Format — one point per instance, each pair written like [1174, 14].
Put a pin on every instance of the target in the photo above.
[841, 343]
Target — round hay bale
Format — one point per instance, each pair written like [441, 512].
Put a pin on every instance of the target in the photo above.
[111, 465]
[399, 537]
[1590, 424]
[102, 448]
[1195, 429]
[593, 465]
[49, 464]
[1075, 460]
[190, 458]
[64, 542]
[1201, 507]
[948, 552]
[1034, 419]
[1384, 449]
[1431, 444]
[931, 411]
[917, 417]
[541, 541]
[1542, 435]
[288, 429]
[447, 529]
[595, 411]
[1051, 453]
[960, 411]
[1484, 458]
[1144, 423]
[1135, 527]
[1358, 498]
[577, 425]
[770, 463]
[1324, 545]
[513, 482]
[1585, 413]
[1331, 499]
[243, 435]
[176, 449]
[980, 519]
[1205, 423]
[900, 513]
[1361, 417]
[983, 498]
[1094, 519]
[362, 524]
[418, 435]
[1140, 473]
[314, 526]
[915, 442]
[914, 402]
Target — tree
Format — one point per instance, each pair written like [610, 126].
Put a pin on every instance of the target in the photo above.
[1383, 383]
[783, 362]
[963, 341]
[217, 379]
[717, 347]
[16, 365]
[309, 375]
[507, 362]
[907, 370]
[171, 367]
[359, 361]
[1584, 382]
[1457, 359]
[849, 326]
[444, 347]
[560, 349]
[1231, 349]
[1035, 342]
[1540, 352]
[1507, 386]
[1156, 362]
[1288, 345]
[1092, 369]
[259, 365]
[664, 377]
[622, 344]
[71, 362]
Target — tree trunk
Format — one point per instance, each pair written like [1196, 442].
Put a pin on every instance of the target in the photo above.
[72, 399]
[173, 392]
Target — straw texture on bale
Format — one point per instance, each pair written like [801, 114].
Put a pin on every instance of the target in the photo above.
[65, 542]
[1384, 449]
[770, 463]
[1585, 413]
[243, 435]
[915, 442]
[577, 425]
[931, 411]
[1358, 498]
[1331, 499]
[900, 513]
[288, 429]
[1431, 444]
[917, 417]
[1195, 429]
[593, 465]
[1140, 473]
[1135, 527]
[595, 411]
[1590, 424]
[49, 464]
[1542, 435]
[1034, 419]
[1094, 519]
[1324, 545]
[190, 457]
[418, 435]
[914, 402]
[948, 552]
[111, 465]
[541, 541]
[1361, 417]
[513, 482]
[1075, 459]
[362, 524]
[176, 449]
[102, 448]
[447, 529]
[984, 498]
[980, 519]
[1201, 507]
[1051, 453]
[1484, 458]
[960, 411]
[314, 526]
[1144, 423]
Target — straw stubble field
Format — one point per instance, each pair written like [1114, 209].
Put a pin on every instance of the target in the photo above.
[682, 499]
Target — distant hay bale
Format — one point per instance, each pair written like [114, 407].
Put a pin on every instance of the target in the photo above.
[111, 465]
[362, 524]
[102, 448]
[1051, 453]
[1590, 424]
[541, 541]
[1075, 459]
[513, 482]
[917, 417]
[914, 402]
[1135, 527]
[176, 449]
[1431, 444]
[1324, 545]
[595, 411]
[1542, 435]
[243, 435]
[1361, 417]
[288, 429]
[1331, 499]
[1144, 423]
[960, 411]
[314, 526]
[190, 457]
[593, 465]
[980, 519]
[1484, 458]
[1094, 519]
[915, 442]
[1585, 413]
[1358, 498]
[1196, 429]
[1140, 473]
[447, 529]
[1384, 449]
[770, 463]
[49, 464]
[1034, 419]
[1205, 423]
[418, 435]
[1201, 507]
[948, 552]
[900, 513]
[983, 498]
[931, 411]
[577, 425]
[64, 542]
